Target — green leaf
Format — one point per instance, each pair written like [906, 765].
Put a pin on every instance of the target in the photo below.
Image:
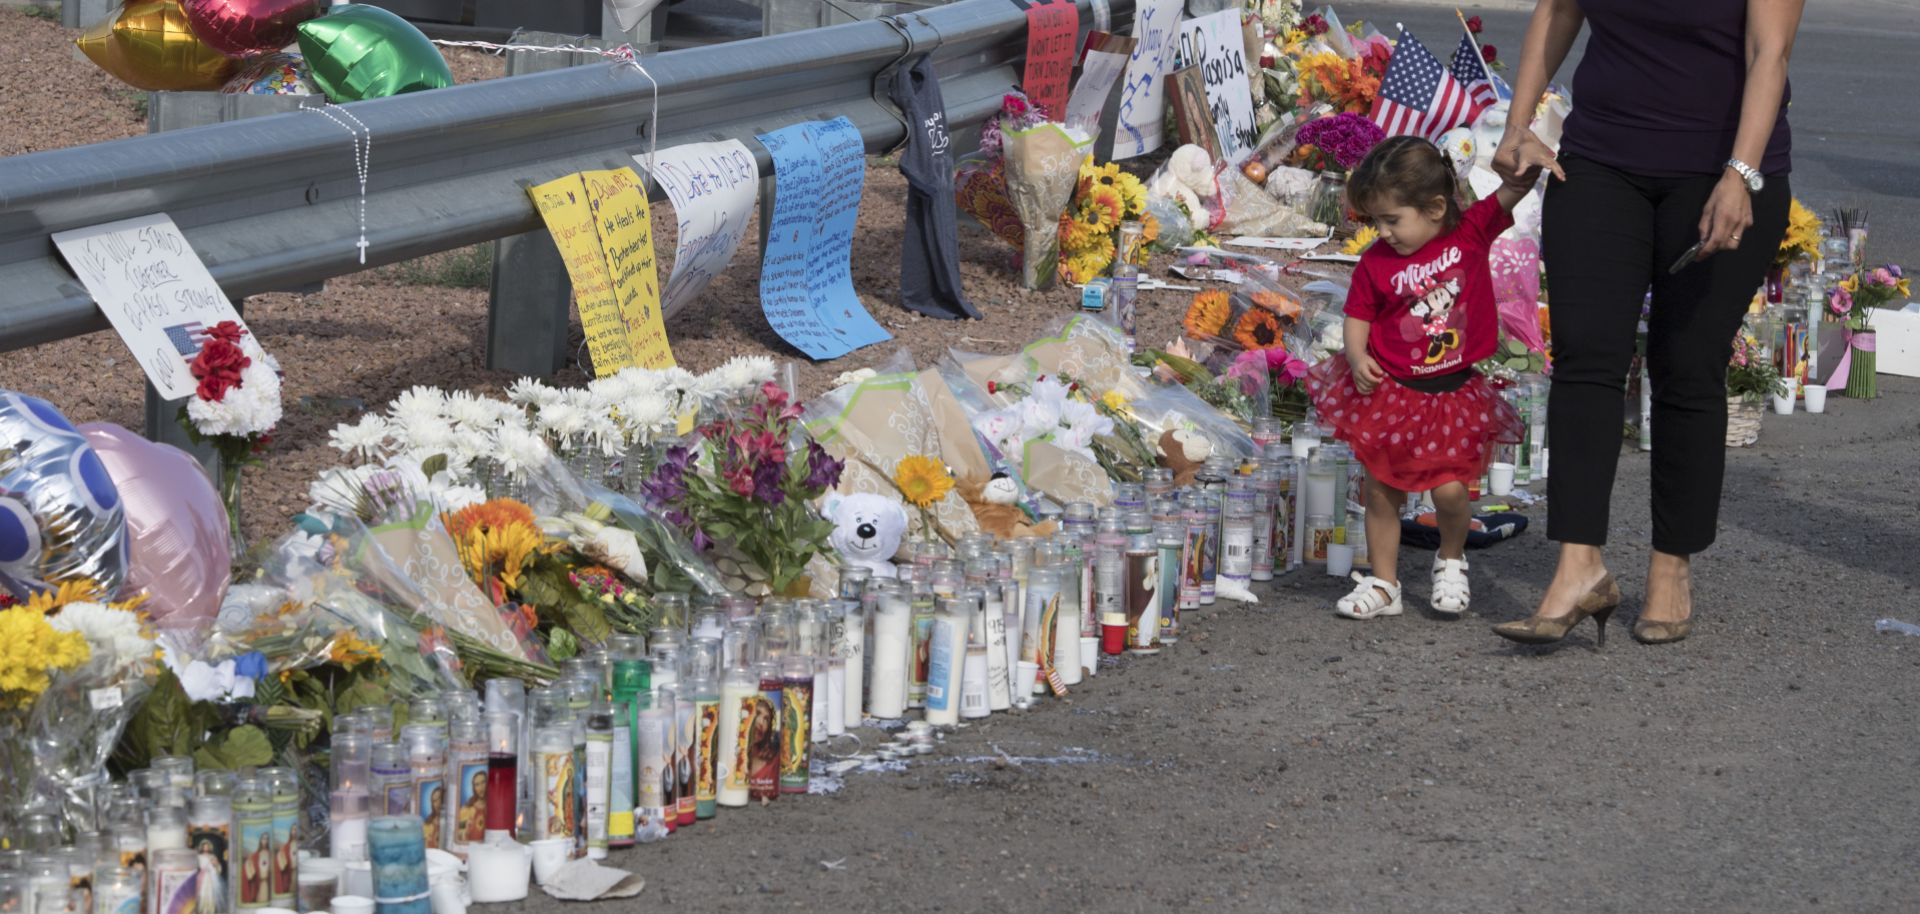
[434, 465]
[241, 747]
[562, 645]
[363, 693]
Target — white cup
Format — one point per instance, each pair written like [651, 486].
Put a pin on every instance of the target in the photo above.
[1026, 676]
[1090, 655]
[352, 904]
[357, 879]
[1783, 406]
[1339, 559]
[1499, 478]
[1816, 398]
[499, 871]
[549, 855]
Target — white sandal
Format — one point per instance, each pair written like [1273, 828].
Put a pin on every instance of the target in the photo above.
[1451, 593]
[1372, 598]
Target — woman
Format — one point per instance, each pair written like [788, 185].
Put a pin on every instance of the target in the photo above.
[1678, 135]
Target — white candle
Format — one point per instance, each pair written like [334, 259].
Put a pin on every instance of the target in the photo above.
[737, 691]
[823, 696]
[498, 871]
[854, 681]
[947, 666]
[998, 662]
[1067, 625]
[973, 683]
[892, 646]
[836, 697]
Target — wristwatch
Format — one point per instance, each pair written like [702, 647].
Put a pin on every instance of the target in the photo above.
[1747, 174]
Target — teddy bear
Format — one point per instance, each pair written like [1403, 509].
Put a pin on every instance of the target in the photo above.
[1184, 452]
[867, 530]
[996, 506]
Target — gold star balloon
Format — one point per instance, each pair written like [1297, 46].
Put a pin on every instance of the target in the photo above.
[148, 44]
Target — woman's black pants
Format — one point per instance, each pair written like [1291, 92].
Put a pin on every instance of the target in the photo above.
[1608, 237]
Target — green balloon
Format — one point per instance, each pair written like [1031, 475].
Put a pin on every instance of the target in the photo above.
[359, 52]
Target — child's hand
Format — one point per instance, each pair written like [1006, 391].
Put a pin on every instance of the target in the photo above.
[1367, 373]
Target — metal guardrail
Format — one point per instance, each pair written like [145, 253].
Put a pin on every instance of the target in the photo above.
[272, 202]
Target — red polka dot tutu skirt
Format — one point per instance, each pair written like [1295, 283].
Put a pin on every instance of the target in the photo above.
[1410, 440]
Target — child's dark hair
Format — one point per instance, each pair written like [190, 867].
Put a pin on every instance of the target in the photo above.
[1405, 171]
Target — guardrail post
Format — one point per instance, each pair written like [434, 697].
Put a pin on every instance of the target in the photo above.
[178, 111]
[80, 14]
[531, 297]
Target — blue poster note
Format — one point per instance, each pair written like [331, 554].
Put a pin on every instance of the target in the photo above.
[806, 277]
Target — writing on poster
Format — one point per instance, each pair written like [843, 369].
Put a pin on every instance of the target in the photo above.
[714, 188]
[563, 206]
[806, 274]
[1143, 99]
[1215, 46]
[1051, 30]
[625, 224]
[1100, 68]
[154, 290]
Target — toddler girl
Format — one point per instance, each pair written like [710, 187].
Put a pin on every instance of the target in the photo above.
[1420, 312]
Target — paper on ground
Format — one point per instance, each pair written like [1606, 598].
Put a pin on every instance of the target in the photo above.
[1279, 244]
[585, 880]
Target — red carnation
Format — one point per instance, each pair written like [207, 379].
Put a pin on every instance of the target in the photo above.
[1487, 53]
[218, 368]
[1473, 24]
[227, 331]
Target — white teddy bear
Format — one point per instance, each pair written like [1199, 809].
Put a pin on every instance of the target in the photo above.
[867, 530]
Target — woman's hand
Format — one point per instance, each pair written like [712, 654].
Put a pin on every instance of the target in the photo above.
[1729, 212]
[1521, 157]
[1367, 373]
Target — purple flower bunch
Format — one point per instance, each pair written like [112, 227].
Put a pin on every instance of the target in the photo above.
[1340, 141]
[755, 487]
[1016, 113]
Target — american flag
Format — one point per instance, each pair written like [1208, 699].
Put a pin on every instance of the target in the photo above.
[187, 338]
[1471, 70]
[1418, 95]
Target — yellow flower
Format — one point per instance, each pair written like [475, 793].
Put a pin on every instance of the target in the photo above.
[349, 650]
[500, 552]
[30, 651]
[1132, 193]
[50, 602]
[1803, 232]
[1294, 40]
[1114, 400]
[1851, 284]
[1105, 207]
[1084, 262]
[1099, 174]
[1905, 286]
[1074, 235]
[1361, 240]
[922, 480]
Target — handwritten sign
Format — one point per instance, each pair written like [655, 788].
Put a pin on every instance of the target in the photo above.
[625, 224]
[806, 274]
[1216, 47]
[154, 290]
[713, 187]
[564, 207]
[1051, 29]
[1143, 98]
[1100, 68]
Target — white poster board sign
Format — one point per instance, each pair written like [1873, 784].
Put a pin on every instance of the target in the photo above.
[155, 291]
[1216, 45]
[1143, 94]
[713, 187]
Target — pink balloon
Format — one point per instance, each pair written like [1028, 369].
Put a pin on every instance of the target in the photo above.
[178, 548]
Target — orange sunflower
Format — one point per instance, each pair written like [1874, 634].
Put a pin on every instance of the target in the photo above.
[1208, 314]
[1258, 329]
[1106, 202]
[1282, 305]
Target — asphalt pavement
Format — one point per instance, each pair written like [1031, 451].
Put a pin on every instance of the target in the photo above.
[1854, 69]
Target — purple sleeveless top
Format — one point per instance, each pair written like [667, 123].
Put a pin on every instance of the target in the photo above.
[1658, 92]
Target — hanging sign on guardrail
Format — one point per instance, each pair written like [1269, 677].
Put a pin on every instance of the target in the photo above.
[713, 187]
[806, 275]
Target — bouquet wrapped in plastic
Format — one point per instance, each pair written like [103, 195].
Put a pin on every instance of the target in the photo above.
[1042, 168]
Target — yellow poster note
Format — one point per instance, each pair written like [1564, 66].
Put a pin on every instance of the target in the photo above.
[625, 223]
[564, 206]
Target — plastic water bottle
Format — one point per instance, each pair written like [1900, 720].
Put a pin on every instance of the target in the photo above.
[1896, 626]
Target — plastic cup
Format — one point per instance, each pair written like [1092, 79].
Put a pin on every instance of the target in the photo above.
[1113, 634]
[357, 879]
[497, 871]
[1339, 559]
[1783, 406]
[352, 904]
[1500, 478]
[1026, 676]
[549, 855]
[1816, 398]
[1090, 655]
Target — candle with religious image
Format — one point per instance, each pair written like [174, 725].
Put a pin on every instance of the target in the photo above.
[253, 857]
[653, 756]
[1142, 605]
[739, 694]
[1170, 543]
[427, 756]
[620, 777]
[760, 733]
[173, 880]
[210, 836]
[285, 787]
[118, 890]
[392, 780]
[796, 725]
[919, 583]
[464, 820]
[703, 685]
[1193, 558]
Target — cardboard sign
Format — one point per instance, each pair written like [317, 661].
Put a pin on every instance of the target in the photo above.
[563, 206]
[1051, 29]
[1143, 100]
[1100, 67]
[714, 188]
[624, 222]
[806, 273]
[1216, 47]
[155, 291]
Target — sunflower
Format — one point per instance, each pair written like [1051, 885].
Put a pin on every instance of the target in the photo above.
[1075, 235]
[1208, 313]
[1132, 193]
[500, 512]
[1283, 305]
[1803, 233]
[922, 480]
[349, 650]
[1361, 240]
[1087, 261]
[1258, 328]
[1108, 174]
[1107, 204]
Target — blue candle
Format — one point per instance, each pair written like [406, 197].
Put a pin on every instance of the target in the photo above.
[398, 848]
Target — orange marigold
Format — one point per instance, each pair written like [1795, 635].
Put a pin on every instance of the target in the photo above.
[492, 515]
[1258, 328]
[1208, 314]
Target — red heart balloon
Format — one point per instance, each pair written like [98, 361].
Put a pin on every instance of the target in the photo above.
[241, 27]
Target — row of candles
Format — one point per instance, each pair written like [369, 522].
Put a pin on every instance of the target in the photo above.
[718, 707]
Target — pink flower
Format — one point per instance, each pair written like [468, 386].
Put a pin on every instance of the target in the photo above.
[1841, 301]
[1882, 276]
[1284, 366]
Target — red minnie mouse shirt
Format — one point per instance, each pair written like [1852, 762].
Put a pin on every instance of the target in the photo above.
[1432, 311]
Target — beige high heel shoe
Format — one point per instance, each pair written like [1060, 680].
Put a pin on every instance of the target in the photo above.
[1599, 603]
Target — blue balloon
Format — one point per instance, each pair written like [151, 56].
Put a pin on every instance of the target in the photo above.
[61, 516]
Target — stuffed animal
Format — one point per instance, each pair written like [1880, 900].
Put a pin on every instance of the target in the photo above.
[996, 506]
[1184, 452]
[867, 530]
